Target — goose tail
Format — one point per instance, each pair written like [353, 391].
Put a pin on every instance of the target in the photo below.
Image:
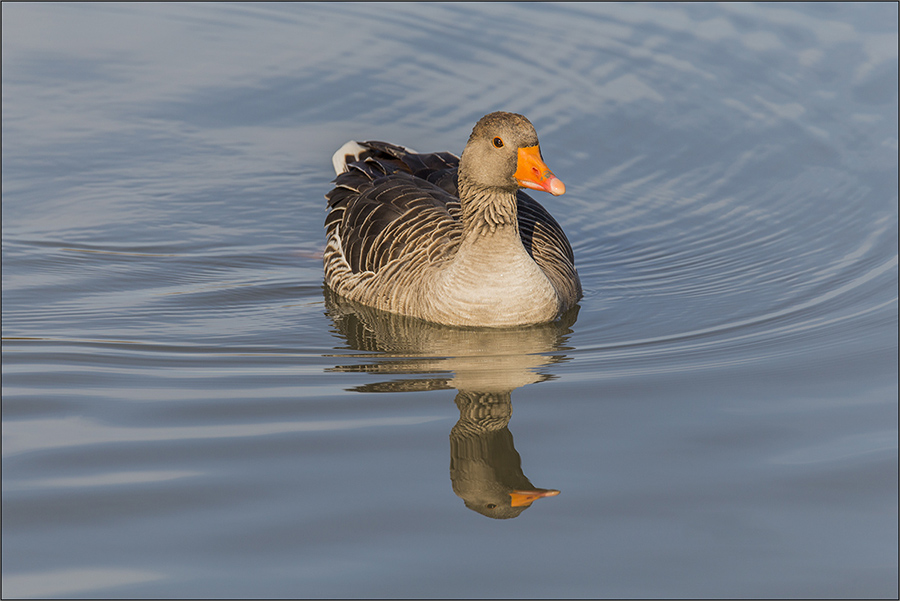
[346, 154]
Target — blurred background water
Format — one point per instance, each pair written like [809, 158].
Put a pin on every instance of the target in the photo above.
[186, 413]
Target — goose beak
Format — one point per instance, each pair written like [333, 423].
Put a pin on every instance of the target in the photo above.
[524, 498]
[531, 172]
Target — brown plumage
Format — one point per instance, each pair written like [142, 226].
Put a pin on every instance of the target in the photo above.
[450, 240]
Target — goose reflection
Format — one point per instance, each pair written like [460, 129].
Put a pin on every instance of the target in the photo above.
[485, 366]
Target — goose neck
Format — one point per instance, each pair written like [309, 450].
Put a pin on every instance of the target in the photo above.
[488, 211]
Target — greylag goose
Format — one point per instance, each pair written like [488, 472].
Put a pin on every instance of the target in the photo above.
[451, 240]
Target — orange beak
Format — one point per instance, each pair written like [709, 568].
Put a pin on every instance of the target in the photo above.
[524, 498]
[531, 172]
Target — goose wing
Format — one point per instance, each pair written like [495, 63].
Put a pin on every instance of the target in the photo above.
[545, 241]
[391, 204]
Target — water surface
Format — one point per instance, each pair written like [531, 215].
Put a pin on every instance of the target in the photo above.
[187, 413]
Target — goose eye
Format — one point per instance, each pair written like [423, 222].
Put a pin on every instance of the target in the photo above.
[498, 143]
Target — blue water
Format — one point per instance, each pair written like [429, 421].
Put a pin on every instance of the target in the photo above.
[187, 413]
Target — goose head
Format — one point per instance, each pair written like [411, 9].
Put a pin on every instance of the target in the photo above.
[503, 154]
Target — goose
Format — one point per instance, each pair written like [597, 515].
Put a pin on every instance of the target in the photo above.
[451, 240]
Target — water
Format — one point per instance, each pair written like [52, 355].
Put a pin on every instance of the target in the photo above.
[185, 412]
